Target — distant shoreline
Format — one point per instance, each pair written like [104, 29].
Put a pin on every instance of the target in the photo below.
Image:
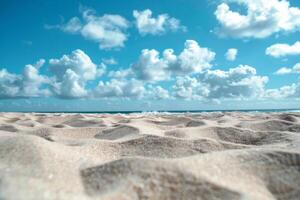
[160, 111]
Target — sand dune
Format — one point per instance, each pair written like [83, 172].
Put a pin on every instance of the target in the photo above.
[150, 156]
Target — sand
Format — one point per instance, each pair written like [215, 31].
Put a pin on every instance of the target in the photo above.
[150, 156]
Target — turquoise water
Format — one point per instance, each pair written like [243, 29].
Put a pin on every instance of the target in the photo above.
[171, 111]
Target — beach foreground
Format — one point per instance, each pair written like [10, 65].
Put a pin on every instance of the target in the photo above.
[150, 156]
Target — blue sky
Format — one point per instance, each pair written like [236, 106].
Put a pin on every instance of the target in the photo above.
[103, 55]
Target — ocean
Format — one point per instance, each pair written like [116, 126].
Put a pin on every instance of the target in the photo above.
[167, 111]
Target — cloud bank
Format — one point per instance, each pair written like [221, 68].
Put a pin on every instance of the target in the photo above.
[187, 75]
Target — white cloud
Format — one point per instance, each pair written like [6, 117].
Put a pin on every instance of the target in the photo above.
[231, 54]
[107, 30]
[110, 31]
[119, 88]
[284, 70]
[73, 77]
[263, 18]
[32, 81]
[296, 90]
[72, 26]
[282, 50]
[283, 92]
[158, 93]
[72, 72]
[189, 88]
[109, 61]
[146, 24]
[120, 74]
[71, 86]
[77, 61]
[28, 84]
[9, 84]
[129, 89]
[288, 91]
[193, 59]
[239, 82]
[150, 67]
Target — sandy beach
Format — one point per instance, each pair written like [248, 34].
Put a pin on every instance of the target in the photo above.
[150, 156]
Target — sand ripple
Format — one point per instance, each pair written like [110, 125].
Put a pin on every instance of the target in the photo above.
[161, 156]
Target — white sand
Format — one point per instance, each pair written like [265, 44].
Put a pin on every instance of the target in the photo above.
[150, 156]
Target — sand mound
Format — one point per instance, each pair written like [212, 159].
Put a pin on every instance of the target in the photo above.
[27, 123]
[57, 118]
[247, 137]
[270, 125]
[179, 133]
[9, 128]
[173, 121]
[167, 147]
[288, 117]
[84, 123]
[282, 180]
[120, 132]
[149, 179]
[194, 123]
[150, 156]
[124, 121]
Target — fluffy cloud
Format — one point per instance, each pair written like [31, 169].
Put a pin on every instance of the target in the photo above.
[239, 82]
[71, 86]
[288, 91]
[77, 61]
[190, 88]
[193, 59]
[9, 84]
[295, 88]
[72, 72]
[29, 84]
[150, 67]
[129, 88]
[32, 81]
[158, 93]
[120, 88]
[73, 76]
[120, 74]
[284, 70]
[146, 24]
[110, 31]
[231, 54]
[281, 50]
[107, 30]
[72, 26]
[263, 18]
